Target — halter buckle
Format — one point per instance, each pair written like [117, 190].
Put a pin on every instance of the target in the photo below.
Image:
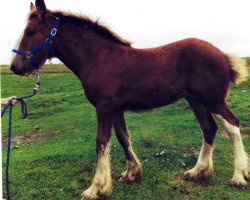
[53, 31]
[29, 55]
[49, 40]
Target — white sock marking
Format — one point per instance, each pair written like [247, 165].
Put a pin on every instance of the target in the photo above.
[205, 156]
[102, 182]
[241, 159]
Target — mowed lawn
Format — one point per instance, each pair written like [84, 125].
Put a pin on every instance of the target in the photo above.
[53, 154]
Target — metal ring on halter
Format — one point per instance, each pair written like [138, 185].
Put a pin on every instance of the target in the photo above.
[53, 31]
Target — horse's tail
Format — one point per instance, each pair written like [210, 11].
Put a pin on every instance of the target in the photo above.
[239, 70]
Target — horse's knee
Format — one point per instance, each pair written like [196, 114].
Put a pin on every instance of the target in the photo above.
[230, 124]
[209, 133]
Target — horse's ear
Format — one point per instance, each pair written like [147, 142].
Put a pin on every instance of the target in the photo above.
[32, 7]
[40, 5]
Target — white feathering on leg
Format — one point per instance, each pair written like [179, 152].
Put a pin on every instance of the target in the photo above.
[241, 161]
[102, 182]
[204, 165]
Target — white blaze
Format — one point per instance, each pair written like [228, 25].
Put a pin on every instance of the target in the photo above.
[17, 44]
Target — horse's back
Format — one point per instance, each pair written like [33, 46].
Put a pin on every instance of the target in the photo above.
[164, 74]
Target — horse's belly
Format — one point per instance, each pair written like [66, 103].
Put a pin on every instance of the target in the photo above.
[150, 101]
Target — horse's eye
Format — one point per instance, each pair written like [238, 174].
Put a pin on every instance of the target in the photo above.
[30, 33]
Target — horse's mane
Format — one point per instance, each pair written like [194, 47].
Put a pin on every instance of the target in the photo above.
[84, 21]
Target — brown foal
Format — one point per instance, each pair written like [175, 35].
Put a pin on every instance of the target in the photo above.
[117, 77]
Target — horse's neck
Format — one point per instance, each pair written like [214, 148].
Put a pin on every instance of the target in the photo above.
[77, 49]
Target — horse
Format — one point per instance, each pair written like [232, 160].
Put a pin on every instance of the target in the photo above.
[117, 78]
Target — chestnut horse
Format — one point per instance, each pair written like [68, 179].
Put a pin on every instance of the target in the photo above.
[117, 77]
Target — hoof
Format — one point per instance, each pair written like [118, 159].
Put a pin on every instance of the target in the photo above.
[198, 173]
[239, 183]
[89, 194]
[247, 176]
[96, 193]
[130, 176]
[240, 179]
[133, 172]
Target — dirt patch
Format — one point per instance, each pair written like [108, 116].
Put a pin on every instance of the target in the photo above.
[193, 150]
[24, 139]
[183, 188]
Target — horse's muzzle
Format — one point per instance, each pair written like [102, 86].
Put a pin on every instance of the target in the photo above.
[17, 69]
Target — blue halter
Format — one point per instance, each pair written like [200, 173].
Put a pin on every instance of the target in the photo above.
[31, 54]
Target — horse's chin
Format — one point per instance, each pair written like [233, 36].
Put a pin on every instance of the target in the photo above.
[26, 74]
[33, 72]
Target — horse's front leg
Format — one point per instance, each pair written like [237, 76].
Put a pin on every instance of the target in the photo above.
[133, 171]
[102, 183]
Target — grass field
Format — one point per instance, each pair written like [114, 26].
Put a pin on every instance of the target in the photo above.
[53, 154]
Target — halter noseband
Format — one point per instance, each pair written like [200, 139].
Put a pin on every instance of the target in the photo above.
[31, 54]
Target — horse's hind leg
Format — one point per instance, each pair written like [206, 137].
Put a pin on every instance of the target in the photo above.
[133, 171]
[241, 162]
[204, 166]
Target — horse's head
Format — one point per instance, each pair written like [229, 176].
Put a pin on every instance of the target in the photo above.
[38, 28]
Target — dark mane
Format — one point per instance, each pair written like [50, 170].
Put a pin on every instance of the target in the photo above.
[85, 21]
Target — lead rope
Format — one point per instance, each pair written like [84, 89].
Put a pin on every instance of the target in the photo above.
[24, 114]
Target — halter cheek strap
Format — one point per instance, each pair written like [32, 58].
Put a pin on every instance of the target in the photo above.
[47, 43]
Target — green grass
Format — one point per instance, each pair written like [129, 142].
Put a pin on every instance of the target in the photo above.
[167, 141]
[57, 68]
